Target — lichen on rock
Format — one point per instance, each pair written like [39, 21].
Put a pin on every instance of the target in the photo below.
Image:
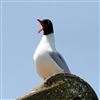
[63, 86]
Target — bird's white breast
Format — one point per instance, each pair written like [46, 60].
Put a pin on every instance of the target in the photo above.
[45, 66]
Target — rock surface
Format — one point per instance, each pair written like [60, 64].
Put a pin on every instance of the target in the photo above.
[62, 86]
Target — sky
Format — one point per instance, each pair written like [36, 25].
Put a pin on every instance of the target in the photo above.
[76, 29]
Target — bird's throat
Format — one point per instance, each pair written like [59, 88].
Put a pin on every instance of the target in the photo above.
[49, 39]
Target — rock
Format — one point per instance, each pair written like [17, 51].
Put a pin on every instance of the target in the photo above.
[62, 86]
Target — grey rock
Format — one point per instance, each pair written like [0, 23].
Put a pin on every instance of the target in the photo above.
[62, 86]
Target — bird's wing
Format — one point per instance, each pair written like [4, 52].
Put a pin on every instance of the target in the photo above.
[59, 60]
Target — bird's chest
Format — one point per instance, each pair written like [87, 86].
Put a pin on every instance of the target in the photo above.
[41, 55]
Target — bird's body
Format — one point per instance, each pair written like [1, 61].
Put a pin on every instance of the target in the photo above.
[47, 60]
[44, 63]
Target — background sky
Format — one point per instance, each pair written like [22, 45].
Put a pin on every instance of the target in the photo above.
[76, 27]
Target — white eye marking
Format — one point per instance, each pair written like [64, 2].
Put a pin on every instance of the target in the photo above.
[48, 22]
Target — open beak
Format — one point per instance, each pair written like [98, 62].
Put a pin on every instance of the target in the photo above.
[43, 25]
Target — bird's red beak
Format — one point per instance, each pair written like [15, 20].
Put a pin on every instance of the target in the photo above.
[43, 25]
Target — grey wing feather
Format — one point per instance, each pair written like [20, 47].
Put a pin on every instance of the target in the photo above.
[59, 61]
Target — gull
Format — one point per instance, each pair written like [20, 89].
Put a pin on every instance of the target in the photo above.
[47, 60]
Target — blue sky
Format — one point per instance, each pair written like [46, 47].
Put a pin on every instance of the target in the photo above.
[76, 27]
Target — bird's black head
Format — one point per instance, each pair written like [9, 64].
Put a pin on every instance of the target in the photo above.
[47, 26]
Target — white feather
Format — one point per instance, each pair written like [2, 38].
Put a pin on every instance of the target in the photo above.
[45, 65]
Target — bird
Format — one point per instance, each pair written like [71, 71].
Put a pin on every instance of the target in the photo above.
[47, 60]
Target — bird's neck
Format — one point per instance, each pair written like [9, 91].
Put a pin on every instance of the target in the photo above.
[49, 40]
